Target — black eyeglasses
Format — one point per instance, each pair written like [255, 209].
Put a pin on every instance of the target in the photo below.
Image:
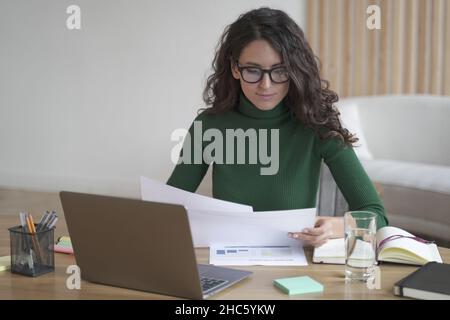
[255, 74]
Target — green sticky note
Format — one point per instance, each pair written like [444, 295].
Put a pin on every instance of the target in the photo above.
[298, 285]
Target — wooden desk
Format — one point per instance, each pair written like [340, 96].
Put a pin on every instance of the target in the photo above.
[258, 286]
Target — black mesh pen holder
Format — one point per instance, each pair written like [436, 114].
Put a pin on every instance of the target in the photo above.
[32, 254]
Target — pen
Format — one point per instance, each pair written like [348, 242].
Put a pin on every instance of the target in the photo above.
[43, 217]
[53, 223]
[47, 220]
[23, 222]
[43, 220]
[50, 221]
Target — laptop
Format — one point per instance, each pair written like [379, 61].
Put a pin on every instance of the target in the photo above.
[140, 245]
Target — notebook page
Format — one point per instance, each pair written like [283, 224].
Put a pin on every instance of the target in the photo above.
[418, 248]
[334, 248]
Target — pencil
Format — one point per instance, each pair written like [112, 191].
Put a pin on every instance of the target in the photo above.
[32, 229]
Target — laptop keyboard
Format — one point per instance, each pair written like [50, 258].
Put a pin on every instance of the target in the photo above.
[209, 284]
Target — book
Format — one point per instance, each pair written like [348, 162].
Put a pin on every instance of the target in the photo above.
[393, 245]
[298, 285]
[429, 282]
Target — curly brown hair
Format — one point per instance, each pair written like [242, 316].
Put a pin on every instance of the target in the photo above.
[309, 97]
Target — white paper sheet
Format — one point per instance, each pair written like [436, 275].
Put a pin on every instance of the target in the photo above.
[257, 255]
[153, 190]
[262, 228]
[214, 221]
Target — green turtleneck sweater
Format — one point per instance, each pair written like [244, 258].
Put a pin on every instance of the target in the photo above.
[295, 183]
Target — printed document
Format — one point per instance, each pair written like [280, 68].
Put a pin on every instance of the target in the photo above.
[257, 255]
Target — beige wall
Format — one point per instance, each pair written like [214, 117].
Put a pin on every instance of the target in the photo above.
[93, 109]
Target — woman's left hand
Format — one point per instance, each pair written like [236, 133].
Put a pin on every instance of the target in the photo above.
[325, 228]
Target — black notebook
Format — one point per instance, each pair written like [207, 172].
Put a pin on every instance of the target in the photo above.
[429, 282]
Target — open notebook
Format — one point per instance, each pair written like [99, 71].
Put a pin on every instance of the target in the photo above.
[393, 245]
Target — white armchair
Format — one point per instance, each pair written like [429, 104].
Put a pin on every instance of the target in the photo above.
[405, 148]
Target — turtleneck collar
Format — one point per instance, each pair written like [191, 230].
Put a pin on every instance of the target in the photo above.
[247, 108]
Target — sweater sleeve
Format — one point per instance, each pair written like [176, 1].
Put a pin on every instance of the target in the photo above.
[191, 167]
[352, 179]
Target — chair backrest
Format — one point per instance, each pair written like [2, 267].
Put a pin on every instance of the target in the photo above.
[330, 200]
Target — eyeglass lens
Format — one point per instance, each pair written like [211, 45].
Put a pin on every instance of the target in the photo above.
[277, 75]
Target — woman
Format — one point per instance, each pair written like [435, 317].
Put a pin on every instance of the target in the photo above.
[266, 78]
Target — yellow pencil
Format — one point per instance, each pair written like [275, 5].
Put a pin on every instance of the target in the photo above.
[32, 229]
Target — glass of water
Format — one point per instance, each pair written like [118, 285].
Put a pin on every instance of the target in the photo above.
[360, 244]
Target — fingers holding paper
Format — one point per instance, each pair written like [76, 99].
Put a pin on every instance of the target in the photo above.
[325, 228]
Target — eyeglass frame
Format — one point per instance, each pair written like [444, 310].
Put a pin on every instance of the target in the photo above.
[264, 71]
